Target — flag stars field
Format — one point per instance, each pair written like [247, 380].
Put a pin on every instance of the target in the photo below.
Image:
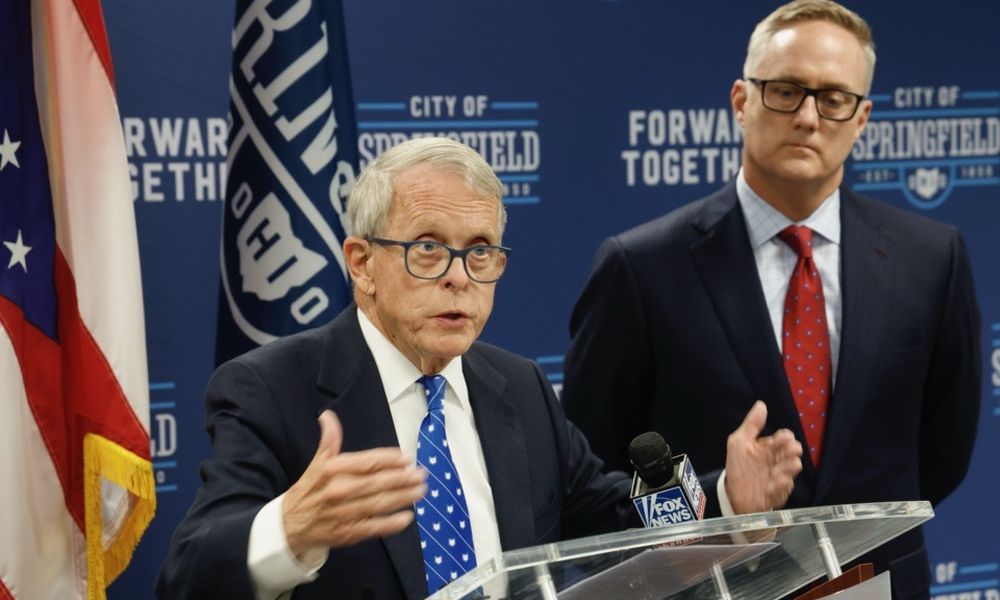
[8, 152]
[18, 252]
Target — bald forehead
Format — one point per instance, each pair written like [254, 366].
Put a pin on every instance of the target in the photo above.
[816, 54]
[427, 198]
[427, 181]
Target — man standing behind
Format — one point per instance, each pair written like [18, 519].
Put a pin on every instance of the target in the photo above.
[340, 511]
[855, 322]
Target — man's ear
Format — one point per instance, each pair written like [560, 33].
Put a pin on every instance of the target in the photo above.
[865, 111]
[738, 99]
[359, 258]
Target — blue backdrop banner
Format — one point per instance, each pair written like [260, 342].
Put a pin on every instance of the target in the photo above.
[597, 115]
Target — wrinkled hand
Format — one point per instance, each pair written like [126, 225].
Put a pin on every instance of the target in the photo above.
[760, 471]
[344, 498]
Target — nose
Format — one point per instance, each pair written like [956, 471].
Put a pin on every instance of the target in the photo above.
[807, 116]
[455, 277]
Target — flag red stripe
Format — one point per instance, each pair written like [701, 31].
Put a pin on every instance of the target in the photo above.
[93, 20]
[71, 389]
[5, 593]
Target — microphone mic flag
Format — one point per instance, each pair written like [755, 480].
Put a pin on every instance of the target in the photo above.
[665, 488]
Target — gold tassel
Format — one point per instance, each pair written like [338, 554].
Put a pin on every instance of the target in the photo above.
[103, 458]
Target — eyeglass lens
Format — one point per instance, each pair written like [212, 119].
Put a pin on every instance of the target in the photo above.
[788, 97]
[431, 260]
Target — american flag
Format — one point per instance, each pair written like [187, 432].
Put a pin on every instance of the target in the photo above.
[78, 487]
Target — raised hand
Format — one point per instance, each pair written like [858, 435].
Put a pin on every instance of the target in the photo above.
[344, 498]
[760, 471]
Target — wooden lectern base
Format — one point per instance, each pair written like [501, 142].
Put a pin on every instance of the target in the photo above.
[862, 572]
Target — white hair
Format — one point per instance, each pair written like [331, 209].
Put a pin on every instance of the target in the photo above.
[371, 198]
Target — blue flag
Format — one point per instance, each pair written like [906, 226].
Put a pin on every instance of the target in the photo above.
[292, 160]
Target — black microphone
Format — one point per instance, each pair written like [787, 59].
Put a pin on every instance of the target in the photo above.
[665, 488]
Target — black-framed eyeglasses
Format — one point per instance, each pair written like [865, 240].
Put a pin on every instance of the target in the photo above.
[427, 259]
[787, 97]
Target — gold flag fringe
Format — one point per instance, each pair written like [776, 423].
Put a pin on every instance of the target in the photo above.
[103, 458]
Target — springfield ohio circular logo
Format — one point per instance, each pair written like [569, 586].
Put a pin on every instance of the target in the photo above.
[926, 141]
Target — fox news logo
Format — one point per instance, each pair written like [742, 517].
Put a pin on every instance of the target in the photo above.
[667, 507]
[282, 264]
[690, 482]
[925, 141]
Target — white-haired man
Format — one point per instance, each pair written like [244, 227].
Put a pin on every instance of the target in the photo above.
[340, 510]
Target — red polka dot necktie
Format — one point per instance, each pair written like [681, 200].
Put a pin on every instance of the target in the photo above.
[805, 339]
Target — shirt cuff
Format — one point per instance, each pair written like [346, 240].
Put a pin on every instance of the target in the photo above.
[273, 568]
[720, 491]
[739, 538]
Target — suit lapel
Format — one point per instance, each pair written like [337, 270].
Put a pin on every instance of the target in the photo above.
[866, 264]
[504, 450]
[349, 375]
[724, 259]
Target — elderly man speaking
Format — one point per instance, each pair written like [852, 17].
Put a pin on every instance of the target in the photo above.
[432, 452]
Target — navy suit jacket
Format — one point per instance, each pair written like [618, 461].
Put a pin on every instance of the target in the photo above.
[672, 334]
[261, 414]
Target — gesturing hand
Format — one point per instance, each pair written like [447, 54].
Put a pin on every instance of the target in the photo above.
[344, 498]
[760, 471]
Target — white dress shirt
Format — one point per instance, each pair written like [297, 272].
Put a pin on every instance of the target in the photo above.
[776, 260]
[273, 568]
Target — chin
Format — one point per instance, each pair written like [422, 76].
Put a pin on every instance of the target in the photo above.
[803, 171]
[448, 347]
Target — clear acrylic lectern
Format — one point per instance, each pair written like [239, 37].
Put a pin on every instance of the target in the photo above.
[762, 555]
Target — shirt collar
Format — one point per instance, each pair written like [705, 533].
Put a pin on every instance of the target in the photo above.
[764, 221]
[397, 372]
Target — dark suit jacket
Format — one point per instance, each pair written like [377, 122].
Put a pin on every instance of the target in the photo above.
[261, 414]
[672, 334]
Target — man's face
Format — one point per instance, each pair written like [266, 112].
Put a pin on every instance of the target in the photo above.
[801, 150]
[432, 322]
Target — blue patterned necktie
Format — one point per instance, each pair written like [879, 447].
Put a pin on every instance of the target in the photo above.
[442, 514]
